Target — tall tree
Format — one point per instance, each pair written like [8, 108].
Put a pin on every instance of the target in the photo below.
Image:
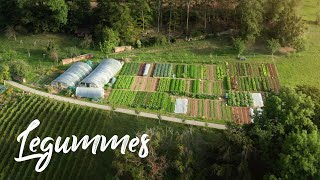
[41, 15]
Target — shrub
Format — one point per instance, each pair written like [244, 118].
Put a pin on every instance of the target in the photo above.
[9, 55]
[54, 55]
[19, 68]
[73, 51]
[161, 40]
[139, 44]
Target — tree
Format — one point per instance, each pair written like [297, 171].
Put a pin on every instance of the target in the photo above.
[19, 68]
[41, 15]
[109, 39]
[273, 45]
[239, 45]
[251, 19]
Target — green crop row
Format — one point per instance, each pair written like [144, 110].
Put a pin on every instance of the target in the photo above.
[164, 85]
[240, 99]
[124, 82]
[195, 86]
[254, 84]
[264, 71]
[221, 71]
[190, 71]
[163, 70]
[131, 69]
[140, 99]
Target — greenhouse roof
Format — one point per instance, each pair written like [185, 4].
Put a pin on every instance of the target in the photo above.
[86, 92]
[181, 106]
[74, 74]
[103, 73]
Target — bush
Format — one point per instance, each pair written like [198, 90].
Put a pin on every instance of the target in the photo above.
[19, 68]
[86, 42]
[139, 44]
[9, 55]
[161, 40]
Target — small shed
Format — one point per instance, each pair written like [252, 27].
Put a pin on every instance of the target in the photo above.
[146, 69]
[181, 106]
[257, 100]
[85, 92]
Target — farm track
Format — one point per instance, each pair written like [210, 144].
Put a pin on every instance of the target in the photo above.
[120, 110]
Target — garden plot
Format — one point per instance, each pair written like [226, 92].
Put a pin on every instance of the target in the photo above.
[130, 69]
[145, 84]
[241, 115]
[209, 109]
[210, 72]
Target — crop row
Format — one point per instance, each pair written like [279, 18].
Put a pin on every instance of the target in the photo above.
[124, 82]
[140, 99]
[221, 71]
[195, 86]
[240, 99]
[264, 71]
[164, 85]
[163, 70]
[190, 71]
[131, 69]
[254, 84]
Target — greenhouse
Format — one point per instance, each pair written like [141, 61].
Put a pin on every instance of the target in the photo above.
[181, 106]
[72, 76]
[102, 74]
[85, 92]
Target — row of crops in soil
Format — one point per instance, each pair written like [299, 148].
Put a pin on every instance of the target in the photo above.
[142, 99]
[250, 69]
[57, 119]
[190, 71]
[209, 109]
[162, 70]
[249, 84]
[240, 99]
[130, 69]
[191, 88]
[124, 82]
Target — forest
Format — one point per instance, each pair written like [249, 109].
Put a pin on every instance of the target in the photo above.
[147, 22]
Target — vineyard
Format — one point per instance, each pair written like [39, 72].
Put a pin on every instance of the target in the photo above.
[62, 119]
[215, 92]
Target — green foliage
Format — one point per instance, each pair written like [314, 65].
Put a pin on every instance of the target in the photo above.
[9, 55]
[73, 52]
[4, 72]
[86, 42]
[19, 68]
[124, 82]
[162, 70]
[239, 45]
[240, 99]
[131, 69]
[43, 16]
[109, 39]
[273, 45]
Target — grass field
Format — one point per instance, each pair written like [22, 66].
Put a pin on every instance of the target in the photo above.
[63, 119]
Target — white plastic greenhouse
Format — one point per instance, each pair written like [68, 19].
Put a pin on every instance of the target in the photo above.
[85, 92]
[102, 74]
[72, 76]
[181, 106]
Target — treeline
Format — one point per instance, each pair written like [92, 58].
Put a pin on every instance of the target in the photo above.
[129, 21]
[282, 143]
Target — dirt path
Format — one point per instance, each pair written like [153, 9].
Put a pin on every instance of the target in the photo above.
[120, 110]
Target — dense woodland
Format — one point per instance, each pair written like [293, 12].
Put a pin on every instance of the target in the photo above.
[141, 22]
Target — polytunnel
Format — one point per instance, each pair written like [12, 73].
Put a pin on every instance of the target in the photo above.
[85, 92]
[102, 74]
[72, 76]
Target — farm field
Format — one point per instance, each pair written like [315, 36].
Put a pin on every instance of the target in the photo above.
[64, 119]
[215, 92]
